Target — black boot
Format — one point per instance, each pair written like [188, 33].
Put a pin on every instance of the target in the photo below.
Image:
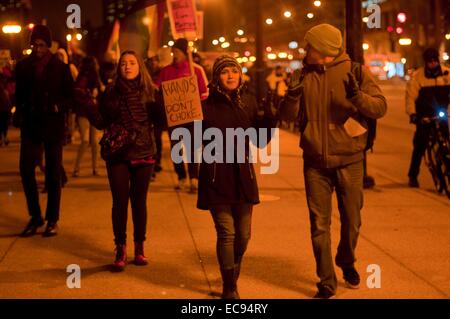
[229, 287]
[237, 271]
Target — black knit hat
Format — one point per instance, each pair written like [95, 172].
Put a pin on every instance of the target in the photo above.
[431, 54]
[222, 62]
[181, 44]
[41, 32]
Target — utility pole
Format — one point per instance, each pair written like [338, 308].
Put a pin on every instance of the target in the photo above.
[354, 34]
[259, 63]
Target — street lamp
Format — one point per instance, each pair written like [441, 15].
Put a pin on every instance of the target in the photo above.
[287, 14]
[69, 37]
[11, 29]
[447, 36]
[317, 3]
[269, 21]
[79, 36]
[310, 15]
[405, 41]
[365, 46]
[222, 39]
[240, 32]
[215, 42]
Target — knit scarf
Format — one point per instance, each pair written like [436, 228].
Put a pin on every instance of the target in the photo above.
[131, 97]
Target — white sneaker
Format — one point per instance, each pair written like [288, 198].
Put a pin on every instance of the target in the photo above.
[194, 185]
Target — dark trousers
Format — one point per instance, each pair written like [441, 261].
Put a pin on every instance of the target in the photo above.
[180, 169]
[158, 131]
[30, 153]
[320, 183]
[233, 227]
[4, 122]
[420, 142]
[129, 182]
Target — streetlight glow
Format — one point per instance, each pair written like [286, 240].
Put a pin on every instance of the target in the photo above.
[447, 36]
[317, 3]
[170, 43]
[11, 29]
[221, 39]
[215, 42]
[271, 56]
[365, 46]
[405, 41]
[365, 19]
[69, 37]
[225, 45]
[403, 60]
[240, 32]
[310, 15]
[79, 36]
[269, 21]
[287, 14]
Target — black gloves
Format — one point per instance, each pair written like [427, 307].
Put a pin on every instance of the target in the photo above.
[295, 87]
[351, 86]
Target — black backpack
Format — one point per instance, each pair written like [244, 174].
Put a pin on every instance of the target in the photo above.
[356, 69]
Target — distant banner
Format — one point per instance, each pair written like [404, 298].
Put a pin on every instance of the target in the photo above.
[183, 18]
[182, 101]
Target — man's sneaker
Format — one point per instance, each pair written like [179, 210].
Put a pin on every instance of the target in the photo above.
[181, 185]
[413, 183]
[325, 292]
[351, 277]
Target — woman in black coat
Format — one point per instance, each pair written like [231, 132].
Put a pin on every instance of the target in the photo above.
[128, 103]
[229, 189]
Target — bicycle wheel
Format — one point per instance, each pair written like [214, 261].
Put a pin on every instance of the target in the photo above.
[435, 165]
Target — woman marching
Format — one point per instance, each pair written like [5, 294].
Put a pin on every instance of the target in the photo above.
[125, 112]
[229, 190]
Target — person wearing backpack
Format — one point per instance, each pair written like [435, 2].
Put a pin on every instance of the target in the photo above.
[332, 108]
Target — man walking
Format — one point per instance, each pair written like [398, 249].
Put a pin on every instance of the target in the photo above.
[44, 87]
[332, 102]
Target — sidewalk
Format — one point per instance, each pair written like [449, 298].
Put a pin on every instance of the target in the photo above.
[405, 232]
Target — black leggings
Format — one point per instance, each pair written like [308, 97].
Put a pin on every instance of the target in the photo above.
[233, 227]
[129, 182]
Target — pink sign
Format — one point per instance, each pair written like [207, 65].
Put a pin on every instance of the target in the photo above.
[183, 18]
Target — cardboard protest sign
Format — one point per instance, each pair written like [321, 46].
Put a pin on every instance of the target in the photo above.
[182, 101]
[183, 18]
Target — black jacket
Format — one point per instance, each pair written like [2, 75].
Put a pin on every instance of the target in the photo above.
[230, 183]
[41, 105]
[108, 112]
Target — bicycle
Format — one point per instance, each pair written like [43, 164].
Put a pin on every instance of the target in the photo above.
[437, 154]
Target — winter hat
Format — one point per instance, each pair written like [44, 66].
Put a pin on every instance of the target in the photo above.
[221, 62]
[182, 45]
[431, 54]
[326, 39]
[41, 32]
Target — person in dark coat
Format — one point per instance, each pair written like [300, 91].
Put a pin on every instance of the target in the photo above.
[43, 93]
[229, 190]
[5, 114]
[129, 102]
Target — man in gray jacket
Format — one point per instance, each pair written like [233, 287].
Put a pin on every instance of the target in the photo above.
[332, 104]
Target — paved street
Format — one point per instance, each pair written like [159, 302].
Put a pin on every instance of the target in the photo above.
[405, 231]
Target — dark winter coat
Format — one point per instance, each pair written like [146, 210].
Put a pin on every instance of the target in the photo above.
[41, 104]
[108, 111]
[230, 183]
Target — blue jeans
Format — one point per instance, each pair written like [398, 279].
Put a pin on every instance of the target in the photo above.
[320, 183]
[233, 227]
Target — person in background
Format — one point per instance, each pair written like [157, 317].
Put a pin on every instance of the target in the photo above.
[178, 69]
[427, 93]
[44, 91]
[88, 83]
[5, 113]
